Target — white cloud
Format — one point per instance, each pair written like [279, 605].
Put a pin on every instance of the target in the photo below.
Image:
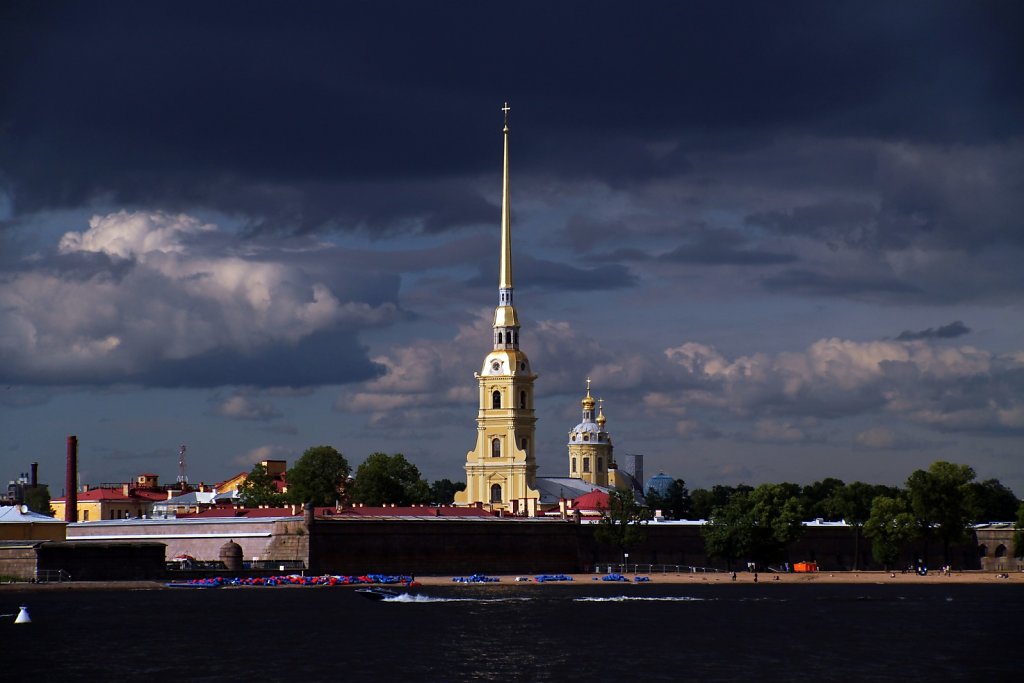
[240, 407]
[166, 297]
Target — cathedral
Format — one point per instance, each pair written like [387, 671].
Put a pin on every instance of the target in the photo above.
[501, 471]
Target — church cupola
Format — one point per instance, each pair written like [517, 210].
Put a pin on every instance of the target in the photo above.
[590, 446]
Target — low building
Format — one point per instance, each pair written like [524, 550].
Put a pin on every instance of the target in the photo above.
[18, 523]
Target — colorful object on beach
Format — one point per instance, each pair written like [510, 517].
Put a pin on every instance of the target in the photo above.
[641, 579]
[294, 580]
[614, 577]
[475, 578]
[543, 578]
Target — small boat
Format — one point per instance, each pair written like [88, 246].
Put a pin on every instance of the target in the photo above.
[377, 593]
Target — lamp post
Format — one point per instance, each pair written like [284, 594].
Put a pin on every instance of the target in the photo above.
[625, 561]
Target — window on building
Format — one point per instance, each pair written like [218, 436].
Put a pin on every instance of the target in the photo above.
[496, 448]
[526, 444]
[574, 464]
[85, 515]
[1000, 550]
[600, 464]
[586, 464]
[522, 399]
[496, 399]
[495, 493]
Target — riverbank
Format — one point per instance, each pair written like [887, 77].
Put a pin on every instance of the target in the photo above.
[896, 578]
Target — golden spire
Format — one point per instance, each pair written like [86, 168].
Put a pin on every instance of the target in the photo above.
[588, 401]
[506, 217]
[600, 412]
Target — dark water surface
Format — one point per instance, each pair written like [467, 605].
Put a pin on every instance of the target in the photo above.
[518, 633]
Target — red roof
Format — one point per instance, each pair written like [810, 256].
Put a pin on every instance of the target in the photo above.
[250, 513]
[405, 511]
[99, 495]
[595, 500]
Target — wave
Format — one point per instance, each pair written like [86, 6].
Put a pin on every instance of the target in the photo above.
[411, 598]
[638, 598]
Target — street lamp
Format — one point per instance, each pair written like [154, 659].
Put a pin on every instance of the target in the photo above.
[625, 561]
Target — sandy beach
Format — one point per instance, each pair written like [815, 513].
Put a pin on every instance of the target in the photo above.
[865, 577]
[772, 578]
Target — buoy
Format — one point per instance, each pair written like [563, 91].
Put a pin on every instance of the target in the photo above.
[23, 617]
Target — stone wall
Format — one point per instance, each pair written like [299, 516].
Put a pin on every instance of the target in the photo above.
[18, 560]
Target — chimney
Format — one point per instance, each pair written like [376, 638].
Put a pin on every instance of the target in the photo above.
[125, 489]
[70, 482]
[34, 481]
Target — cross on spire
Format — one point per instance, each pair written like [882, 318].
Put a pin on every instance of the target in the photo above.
[506, 109]
[588, 386]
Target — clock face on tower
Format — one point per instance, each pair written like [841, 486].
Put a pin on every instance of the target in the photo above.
[496, 365]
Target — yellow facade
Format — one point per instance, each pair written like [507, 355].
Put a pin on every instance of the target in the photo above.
[590, 447]
[501, 470]
[105, 508]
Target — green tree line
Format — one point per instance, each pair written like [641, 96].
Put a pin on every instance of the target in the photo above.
[323, 476]
[935, 506]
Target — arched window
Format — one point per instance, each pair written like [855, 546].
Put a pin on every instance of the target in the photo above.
[496, 448]
[526, 444]
[495, 493]
[1000, 550]
[982, 550]
[496, 399]
[522, 399]
[574, 464]
[586, 464]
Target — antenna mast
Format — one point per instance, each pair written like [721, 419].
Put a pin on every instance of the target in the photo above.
[182, 477]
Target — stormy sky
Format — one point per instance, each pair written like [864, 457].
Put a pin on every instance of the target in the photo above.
[783, 239]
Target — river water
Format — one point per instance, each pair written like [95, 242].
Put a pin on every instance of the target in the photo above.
[569, 632]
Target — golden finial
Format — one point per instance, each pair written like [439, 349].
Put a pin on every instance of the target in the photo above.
[600, 412]
[588, 401]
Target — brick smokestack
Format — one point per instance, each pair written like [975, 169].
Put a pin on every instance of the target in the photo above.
[34, 480]
[71, 482]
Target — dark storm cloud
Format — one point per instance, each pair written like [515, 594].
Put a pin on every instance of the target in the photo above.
[723, 248]
[544, 274]
[704, 246]
[161, 102]
[950, 331]
[812, 283]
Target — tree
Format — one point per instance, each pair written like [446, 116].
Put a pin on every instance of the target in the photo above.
[777, 518]
[852, 504]
[890, 526]
[675, 504]
[442, 491]
[757, 525]
[38, 500]
[990, 501]
[384, 479]
[815, 498]
[727, 532]
[318, 477]
[704, 502]
[259, 489]
[622, 524]
[940, 502]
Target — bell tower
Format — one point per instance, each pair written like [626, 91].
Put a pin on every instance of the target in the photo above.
[501, 471]
[590, 446]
